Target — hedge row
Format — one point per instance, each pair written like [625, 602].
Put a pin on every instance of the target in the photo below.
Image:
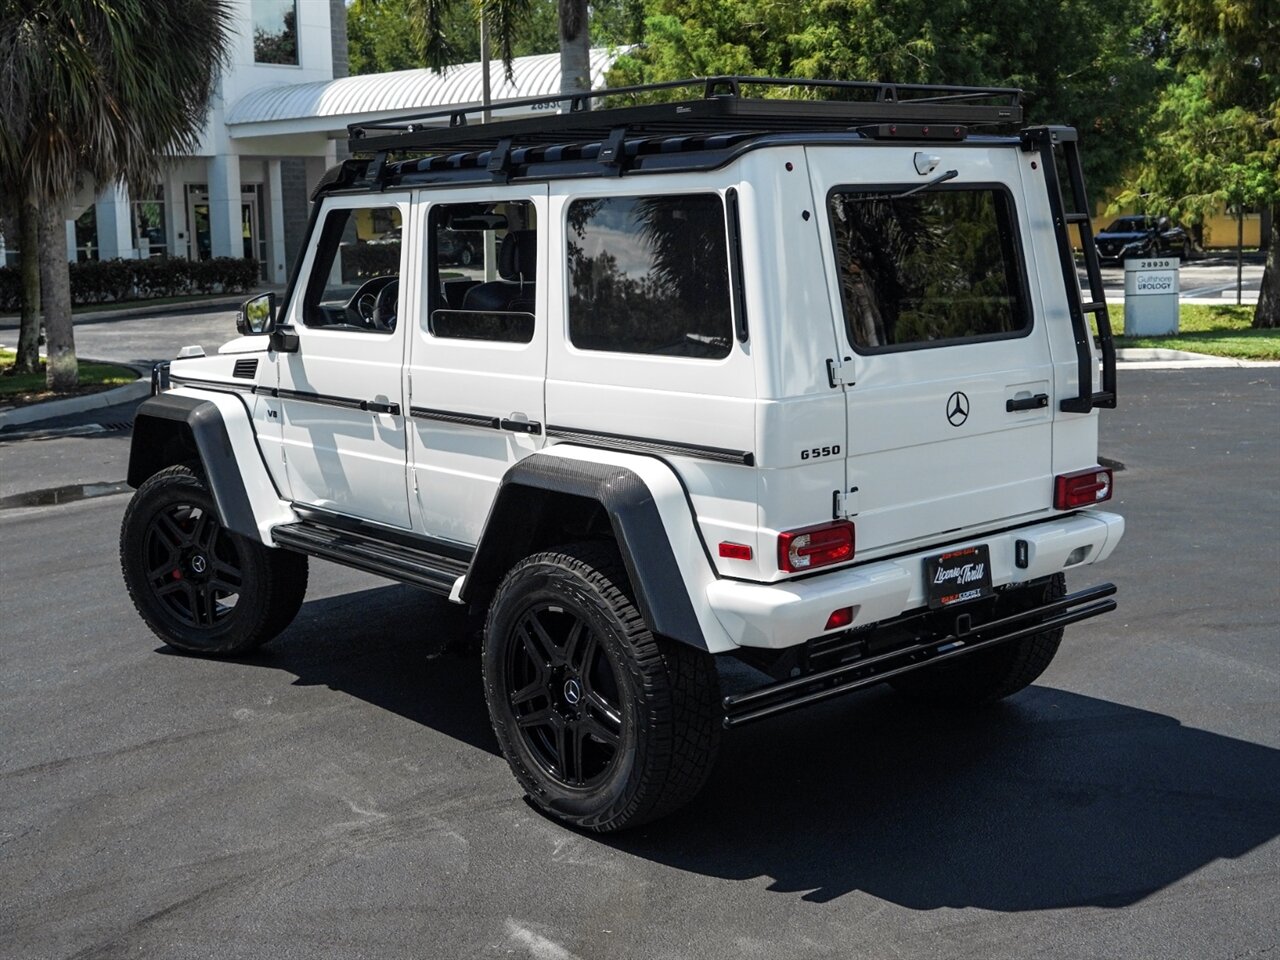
[103, 281]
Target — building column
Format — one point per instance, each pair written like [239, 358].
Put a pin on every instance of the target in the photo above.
[225, 235]
[115, 231]
[71, 241]
[277, 269]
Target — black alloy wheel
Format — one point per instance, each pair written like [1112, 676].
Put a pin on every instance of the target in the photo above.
[199, 586]
[193, 567]
[604, 725]
[565, 696]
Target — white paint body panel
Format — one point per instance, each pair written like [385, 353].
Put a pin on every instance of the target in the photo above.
[350, 461]
[455, 468]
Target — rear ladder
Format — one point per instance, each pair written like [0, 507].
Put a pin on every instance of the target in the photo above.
[1048, 141]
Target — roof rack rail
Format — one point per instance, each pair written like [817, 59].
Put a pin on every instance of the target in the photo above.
[720, 105]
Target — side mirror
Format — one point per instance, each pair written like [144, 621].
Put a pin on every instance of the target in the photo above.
[257, 315]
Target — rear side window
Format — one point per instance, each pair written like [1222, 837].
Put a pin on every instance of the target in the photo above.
[650, 275]
[927, 269]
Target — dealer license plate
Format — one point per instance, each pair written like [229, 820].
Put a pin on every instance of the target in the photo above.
[958, 576]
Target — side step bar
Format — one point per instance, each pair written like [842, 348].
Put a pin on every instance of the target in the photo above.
[775, 698]
[373, 555]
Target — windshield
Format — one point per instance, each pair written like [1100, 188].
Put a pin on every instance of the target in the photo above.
[1129, 225]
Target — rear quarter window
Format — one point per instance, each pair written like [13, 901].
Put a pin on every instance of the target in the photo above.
[650, 275]
[929, 269]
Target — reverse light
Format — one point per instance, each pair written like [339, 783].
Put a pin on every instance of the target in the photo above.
[818, 546]
[1082, 488]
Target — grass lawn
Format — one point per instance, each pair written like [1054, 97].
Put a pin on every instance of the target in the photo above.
[1219, 330]
[22, 389]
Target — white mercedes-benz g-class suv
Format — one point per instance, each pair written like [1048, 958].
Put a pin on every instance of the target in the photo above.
[805, 382]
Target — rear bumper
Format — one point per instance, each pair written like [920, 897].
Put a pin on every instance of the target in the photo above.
[782, 615]
[865, 671]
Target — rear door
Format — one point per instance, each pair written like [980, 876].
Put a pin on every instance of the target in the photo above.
[948, 373]
[477, 350]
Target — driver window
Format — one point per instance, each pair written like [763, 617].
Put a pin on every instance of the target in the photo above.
[354, 281]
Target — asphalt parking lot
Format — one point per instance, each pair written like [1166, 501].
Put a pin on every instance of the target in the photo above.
[340, 795]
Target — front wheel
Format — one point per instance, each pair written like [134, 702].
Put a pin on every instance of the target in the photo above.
[605, 725]
[197, 585]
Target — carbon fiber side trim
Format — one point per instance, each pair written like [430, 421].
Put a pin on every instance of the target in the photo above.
[674, 448]
[527, 496]
[196, 423]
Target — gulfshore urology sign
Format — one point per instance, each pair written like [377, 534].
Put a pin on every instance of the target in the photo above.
[1151, 297]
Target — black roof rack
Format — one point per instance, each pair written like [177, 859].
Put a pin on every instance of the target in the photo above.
[721, 107]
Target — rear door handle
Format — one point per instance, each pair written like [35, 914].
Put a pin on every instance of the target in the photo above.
[378, 406]
[521, 426]
[1038, 402]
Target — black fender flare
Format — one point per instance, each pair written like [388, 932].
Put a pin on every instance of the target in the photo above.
[172, 428]
[513, 531]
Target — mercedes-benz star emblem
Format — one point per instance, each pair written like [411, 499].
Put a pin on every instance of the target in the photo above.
[198, 563]
[957, 409]
[572, 692]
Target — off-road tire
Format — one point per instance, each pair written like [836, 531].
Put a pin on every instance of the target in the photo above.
[667, 694]
[169, 528]
[989, 675]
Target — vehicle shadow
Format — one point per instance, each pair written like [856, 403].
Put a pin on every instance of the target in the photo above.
[393, 647]
[1046, 801]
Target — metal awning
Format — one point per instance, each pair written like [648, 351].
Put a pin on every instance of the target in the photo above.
[328, 106]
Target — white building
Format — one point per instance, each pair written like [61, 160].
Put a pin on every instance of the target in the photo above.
[276, 122]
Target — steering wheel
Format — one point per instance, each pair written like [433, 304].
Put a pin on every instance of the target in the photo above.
[386, 306]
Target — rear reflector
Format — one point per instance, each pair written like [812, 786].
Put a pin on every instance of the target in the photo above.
[1082, 488]
[840, 618]
[816, 546]
[735, 551]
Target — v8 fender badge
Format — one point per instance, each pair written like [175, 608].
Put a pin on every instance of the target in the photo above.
[957, 409]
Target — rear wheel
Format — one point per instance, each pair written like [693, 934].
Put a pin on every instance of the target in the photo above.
[990, 675]
[605, 725]
[198, 586]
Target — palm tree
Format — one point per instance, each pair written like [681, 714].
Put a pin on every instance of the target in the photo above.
[503, 19]
[94, 91]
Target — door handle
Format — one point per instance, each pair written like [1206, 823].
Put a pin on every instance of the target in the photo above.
[1038, 402]
[521, 426]
[377, 406]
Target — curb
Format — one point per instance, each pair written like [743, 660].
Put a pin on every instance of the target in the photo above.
[1158, 358]
[51, 409]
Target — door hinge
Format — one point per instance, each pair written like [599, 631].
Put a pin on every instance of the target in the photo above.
[844, 505]
[840, 373]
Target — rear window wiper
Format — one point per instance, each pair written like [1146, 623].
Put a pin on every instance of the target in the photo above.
[940, 178]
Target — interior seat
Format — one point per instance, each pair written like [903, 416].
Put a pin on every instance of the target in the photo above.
[517, 265]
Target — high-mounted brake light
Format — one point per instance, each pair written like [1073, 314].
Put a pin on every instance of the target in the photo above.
[817, 546]
[1082, 488]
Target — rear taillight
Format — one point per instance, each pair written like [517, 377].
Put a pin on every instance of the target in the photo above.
[1082, 488]
[816, 546]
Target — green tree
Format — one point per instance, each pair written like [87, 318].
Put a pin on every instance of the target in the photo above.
[1215, 138]
[512, 21]
[1090, 63]
[94, 91]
